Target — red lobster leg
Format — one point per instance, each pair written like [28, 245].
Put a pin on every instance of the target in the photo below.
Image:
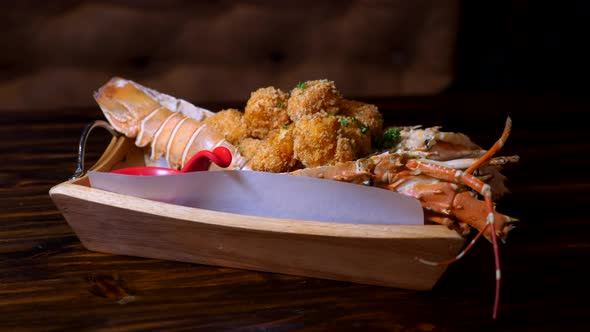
[461, 227]
[474, 212]
[495, 148]
[442, 199]
[452, 175]
[466, 177]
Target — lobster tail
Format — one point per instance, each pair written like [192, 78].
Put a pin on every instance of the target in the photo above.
[124, 105]
[171, 127]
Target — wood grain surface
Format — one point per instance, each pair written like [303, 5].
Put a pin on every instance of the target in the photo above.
[50, 282]
[370, 254]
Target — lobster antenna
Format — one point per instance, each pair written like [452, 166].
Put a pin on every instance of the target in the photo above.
[487, 193]
[497, 146]
[485, 190]
[461, 254]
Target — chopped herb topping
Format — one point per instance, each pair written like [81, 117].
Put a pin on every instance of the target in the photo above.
[285, 126]
[343, 121]
[281, 105]
[301, 85]
[389, 138]
[364, 128]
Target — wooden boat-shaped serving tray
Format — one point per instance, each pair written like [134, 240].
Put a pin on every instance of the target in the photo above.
[369, 254]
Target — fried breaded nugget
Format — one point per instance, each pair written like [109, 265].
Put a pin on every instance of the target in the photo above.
[272, 154]
[312, 97]
[266, 110]
[316, 138]
[367, 114]
[249, 146]
[230, 123]
[357, 134]
[344, 150]
[282, 141]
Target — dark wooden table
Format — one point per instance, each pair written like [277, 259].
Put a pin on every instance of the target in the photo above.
[49, 281]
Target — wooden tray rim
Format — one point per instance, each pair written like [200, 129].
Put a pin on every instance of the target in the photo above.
[247, 222]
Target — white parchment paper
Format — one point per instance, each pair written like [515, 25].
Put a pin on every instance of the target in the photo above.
[269, 195]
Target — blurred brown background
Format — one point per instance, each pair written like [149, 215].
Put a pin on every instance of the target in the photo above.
[56, 53]
[464, 65]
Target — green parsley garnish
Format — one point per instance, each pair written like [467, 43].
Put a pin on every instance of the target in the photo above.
[285, 126]
[343, 121]
[281, 105]
[364, 128]
[301, 85]
[389, 138]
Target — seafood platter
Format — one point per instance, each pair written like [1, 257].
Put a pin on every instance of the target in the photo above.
[305, 150]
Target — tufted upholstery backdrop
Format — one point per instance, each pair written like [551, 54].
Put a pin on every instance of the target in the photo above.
[56, 53]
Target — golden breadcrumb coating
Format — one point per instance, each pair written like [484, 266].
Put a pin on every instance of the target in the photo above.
[312, 97]
[344, 150]
[316, 138]
[357, 134]
[282, 141]
[249, 146]
[367, 114]
[266, 110]
[230, 123]
[272, 154]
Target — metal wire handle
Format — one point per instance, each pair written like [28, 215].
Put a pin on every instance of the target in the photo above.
[82, 145]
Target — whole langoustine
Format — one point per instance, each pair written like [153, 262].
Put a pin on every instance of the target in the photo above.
[173, 128]
[438, 170]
